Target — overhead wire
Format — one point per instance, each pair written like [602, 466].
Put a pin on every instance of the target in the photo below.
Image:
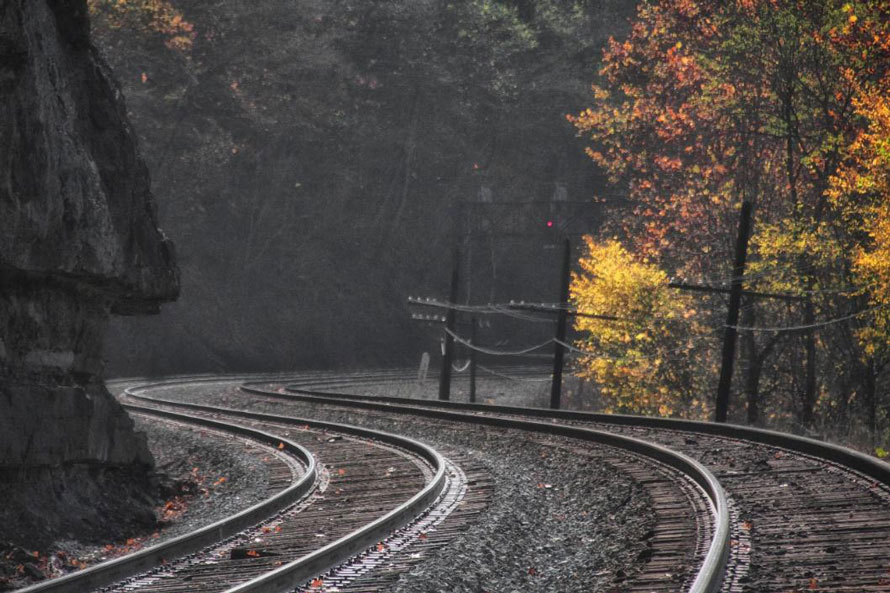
[492, 352]
[513, 378]
[805, 327]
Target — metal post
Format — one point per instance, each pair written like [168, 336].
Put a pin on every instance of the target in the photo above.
[558, 348]
[473, 360]
[732, 316]
[448, 355]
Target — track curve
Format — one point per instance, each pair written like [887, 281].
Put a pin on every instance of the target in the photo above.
[811, 515]
[708, 575]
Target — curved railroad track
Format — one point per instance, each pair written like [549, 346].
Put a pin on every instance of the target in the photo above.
[365, 487]
[809, 516]
[736, 509]
[686, 550]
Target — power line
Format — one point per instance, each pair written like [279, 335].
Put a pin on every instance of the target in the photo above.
[510, 309]
[491, 352]
[513, 378]
[797, 328]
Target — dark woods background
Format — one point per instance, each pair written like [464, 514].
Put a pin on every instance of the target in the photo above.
[310, 158]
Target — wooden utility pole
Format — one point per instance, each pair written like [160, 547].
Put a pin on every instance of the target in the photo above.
[562, 315]
[473, 359]
[448, 355]
[732, 316]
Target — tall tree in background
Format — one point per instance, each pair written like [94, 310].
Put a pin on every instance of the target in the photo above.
[707, 104]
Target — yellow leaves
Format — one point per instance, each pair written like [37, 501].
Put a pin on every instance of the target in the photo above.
[861, 191]
[635, 356]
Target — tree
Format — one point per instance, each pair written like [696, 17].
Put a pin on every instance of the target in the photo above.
[649, 361]
[707, 104]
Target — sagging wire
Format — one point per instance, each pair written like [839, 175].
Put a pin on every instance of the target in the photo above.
[817, 325]
[461, 369]
[491, 352]
[513, 378]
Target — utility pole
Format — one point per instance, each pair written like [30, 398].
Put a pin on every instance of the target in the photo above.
[732, 316]
[473, 359]
[448, 355]
[562, 315]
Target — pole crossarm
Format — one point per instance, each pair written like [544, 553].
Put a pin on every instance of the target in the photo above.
[501, 308]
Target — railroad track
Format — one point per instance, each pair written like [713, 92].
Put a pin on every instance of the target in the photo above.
[736, 509]
[371, 491]
[688, 547]
[808, 516]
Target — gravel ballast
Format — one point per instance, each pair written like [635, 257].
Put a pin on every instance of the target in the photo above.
[201, 476]
[557, 521]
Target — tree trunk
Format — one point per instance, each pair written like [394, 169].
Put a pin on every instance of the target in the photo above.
[808, 399]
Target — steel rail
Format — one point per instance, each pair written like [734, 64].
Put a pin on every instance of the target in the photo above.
[310, 565]
[118, 569]
[865, 464]
[709, 578]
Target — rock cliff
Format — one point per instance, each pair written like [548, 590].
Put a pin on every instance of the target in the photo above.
[78, 242]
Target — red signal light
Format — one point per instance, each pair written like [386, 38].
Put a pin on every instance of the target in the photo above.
[549, 224]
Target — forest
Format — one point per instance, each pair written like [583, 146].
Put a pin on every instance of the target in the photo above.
[312, 172]
[704, 109]
[315, 173]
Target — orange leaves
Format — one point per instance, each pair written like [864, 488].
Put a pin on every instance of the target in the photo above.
[77, 563]
[173, 509]
[157, 17]
[669, 164]
[316, 583]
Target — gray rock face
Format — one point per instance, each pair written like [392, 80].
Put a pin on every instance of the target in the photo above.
[78, 240]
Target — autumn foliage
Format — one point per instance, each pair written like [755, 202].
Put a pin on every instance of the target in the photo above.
[643, 362]
[781, 103]
[157, 17]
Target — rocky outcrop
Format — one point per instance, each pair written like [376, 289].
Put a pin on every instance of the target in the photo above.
[78, 241]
